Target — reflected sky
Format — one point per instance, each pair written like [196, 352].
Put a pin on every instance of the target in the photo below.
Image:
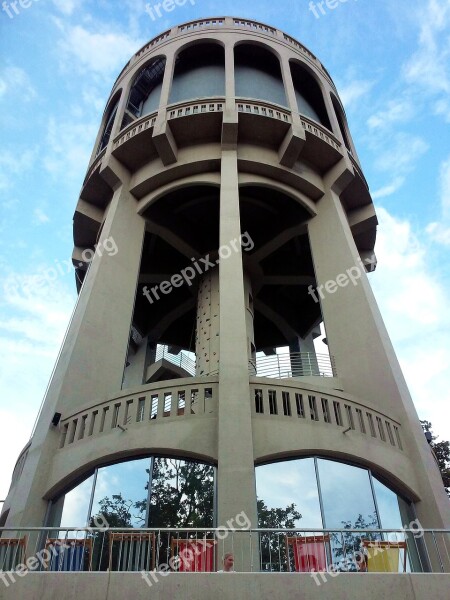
[129, 479]
[346, 494]
[388, 506]
[281, 484]
[76, 505]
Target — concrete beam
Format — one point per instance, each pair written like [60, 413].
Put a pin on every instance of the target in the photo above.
[292, 145]
[165, 143]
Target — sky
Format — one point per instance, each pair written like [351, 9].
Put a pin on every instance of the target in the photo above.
[58, 62]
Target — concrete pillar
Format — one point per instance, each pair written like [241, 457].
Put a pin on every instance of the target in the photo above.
[236, 473]
[92, 358]
[365, 358]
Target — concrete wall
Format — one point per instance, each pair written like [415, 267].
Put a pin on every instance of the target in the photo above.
[224, 586]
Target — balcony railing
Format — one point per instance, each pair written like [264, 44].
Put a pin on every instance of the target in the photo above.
[202, 550]
[296, 364]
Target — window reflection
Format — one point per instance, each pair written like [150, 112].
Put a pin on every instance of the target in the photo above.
[74, 506]
[350, 497]
[121, 493]
[347, 496]
[281, 484]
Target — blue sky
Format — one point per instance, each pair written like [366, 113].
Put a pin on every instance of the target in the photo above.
[59, 60]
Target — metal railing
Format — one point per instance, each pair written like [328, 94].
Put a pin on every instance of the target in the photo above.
[202, 550]
[295, 364]
[181, 360]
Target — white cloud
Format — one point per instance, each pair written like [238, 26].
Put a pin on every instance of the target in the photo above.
[428, 67]
[413, 299]
[66, 7]
[69, 147]
[404, 150]
[354, 91]
[40, 217]
[397, 111]
[397, 157]
[13, 164]
[103, 52]
[15, 82]
[440, 231]
[34, 319]
[389, 189]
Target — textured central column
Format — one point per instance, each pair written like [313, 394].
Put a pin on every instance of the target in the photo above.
[236, 472]
[207, 339]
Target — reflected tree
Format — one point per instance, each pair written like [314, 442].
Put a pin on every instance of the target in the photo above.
[182, 494]
[345, 545]
[113, 512]
[274, 555]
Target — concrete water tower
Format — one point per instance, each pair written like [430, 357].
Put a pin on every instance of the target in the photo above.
[227, 216]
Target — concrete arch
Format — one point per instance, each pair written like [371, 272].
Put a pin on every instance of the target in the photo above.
[311, 73]
[395, 481]
[84, 462]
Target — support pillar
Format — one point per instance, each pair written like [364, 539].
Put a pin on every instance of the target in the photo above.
[365, 359]
[92, 358]
[236, 472]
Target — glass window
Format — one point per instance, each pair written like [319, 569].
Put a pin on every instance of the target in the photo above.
[182, 494]
[348, 503]
[346, 495]
[121, 493]
[279, 485]
[71, 509]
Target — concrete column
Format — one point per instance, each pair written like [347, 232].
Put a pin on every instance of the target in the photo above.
[167, 81]
[236, 473]
[331, 113]
[230, 92]
[92, 358]
[207, 341]
[365, 358]
[289, 88]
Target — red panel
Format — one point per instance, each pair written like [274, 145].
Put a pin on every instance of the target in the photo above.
[310, 553]
[196, 556]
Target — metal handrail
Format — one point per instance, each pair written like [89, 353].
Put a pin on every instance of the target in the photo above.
[179, 360]
[261, 549]
[294, 364]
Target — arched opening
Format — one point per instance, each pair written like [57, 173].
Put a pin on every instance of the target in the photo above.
[145, 92]
[150, 492]
[199, 73]
[258, 74]
[309, 96]
[341, 121]
[109, 124]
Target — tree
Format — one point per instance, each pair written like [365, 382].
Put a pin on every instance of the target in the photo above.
[442, 453]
